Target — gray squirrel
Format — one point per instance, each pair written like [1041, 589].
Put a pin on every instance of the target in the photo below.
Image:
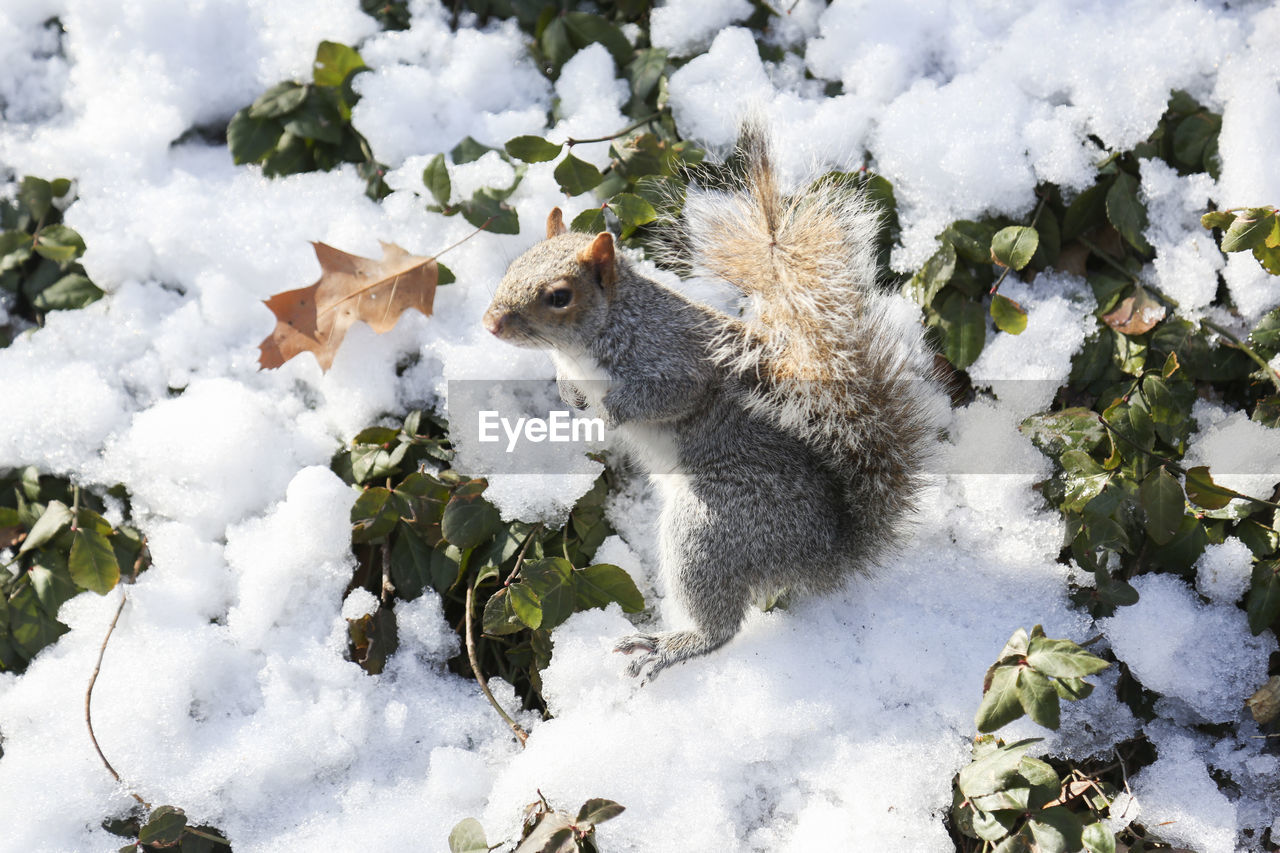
[787, 445]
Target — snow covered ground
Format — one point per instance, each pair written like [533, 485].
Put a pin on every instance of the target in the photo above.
[835, 725]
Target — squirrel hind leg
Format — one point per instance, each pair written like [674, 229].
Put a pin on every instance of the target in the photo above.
[659, 651]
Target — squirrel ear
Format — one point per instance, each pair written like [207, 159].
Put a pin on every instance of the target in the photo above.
[555, 223]
[599, 257]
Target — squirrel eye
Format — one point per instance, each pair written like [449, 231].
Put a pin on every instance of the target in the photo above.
[560, 297]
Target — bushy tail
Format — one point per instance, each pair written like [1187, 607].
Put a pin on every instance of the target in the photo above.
[836, 364]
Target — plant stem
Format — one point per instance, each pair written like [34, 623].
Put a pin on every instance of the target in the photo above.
[520, 733]
[214, 837]
[88, 697]
[1035, 217]
[572, 142]
[520, 558]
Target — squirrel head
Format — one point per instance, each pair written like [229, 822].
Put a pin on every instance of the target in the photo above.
[556, 295]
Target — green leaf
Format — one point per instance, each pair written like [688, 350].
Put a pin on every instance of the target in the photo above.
[59, 243]
[1075, 428]
[1096, 838]
[251, 139]
[1263, 601]
[1055, 830]
[1038, 698]
[526, 604]
[964, 328]
[577, 176]
[1039, 774]
[280, 100]
[602, 583]
[410, 563]
[933, 276]
[444, 275]
[1085, 479]
[597, 810]
[1163, 502]
[1009, 315]
[589, 221]
[499, 617]
[374, 514]
[164, 828]
[585, 28]
[1074, 689]
[1087, 211]
[1203, 492]
[52, 588]
[1217, 219]
[1126, 212]
[29, 627]
[555, 44]
[1000, 704]
[533, 149]
[468, 837]
[1249, 230]
[632, 211]
[995, 770]
[1014, 246]
[334, 63]
[92, 562]
[485, 210]
[55, 518]
[436, 179]
[972, 240]
[1062, 658]
[467, 151]
[374, 462]
[554, 582]
[69, 292]
[1192, 135]
[644, 71]
[36, 195]
[469, 519]
[1268, 257]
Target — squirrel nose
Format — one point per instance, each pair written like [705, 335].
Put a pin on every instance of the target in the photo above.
[494, 321]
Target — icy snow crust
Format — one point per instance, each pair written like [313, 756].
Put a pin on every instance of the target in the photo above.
[837, 724]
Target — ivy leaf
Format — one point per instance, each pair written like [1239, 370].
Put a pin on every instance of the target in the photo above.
[59, 243]
[972, 240]
[1096, 838]
[69, 292]
[589, 221]
[1055, 830]
[995, 770]
[1009, 315]
[1263, 601]
[52, 521]
[467, 151]
[1000, 705]
[597, 810]
[576, 176]
[469, 519]
[602, 583]
[644, 71]
[93, 562]
[554, 582]
[1163, 502]
[468, 837]
[585, 28]
[485, 210]
[499, 617]
[1269, 258]
[933, 276]
[632, 211]
[1062, 658]
[533, 149]
[164, 828]
[1014, 246]
[374, 514]
[1249, 230]
[1203, 492]
[526, 604]
[1217, 219]
[1088, 210]
[36, 194]
[435, 177]
[1085, 479]
[1038, 698]
[1126, 212]
[251, 139]
[964, 328]
[281, 99]
[334, 63]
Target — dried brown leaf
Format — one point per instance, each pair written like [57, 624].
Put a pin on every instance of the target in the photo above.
[315, 319]
[1135, 314]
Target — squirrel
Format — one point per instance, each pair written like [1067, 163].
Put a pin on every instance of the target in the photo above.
[787, 445]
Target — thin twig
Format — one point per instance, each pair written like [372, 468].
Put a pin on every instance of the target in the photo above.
[388, 588]
[520, 557]
[520, 733]
[572, 142]
[88, 698]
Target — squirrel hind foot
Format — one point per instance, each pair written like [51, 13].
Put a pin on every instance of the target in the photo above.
[659, 651]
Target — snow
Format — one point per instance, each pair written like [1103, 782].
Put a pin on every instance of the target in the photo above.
[837, 723]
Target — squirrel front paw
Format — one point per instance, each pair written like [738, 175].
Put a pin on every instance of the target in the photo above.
[571, 394]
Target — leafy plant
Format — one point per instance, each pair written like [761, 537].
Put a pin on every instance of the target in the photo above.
[545, 830]
[1029, 677]
[306, 127]
[1244, 229]
[419, 524]
[39, 256]
[64, 546]
[166, 828]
